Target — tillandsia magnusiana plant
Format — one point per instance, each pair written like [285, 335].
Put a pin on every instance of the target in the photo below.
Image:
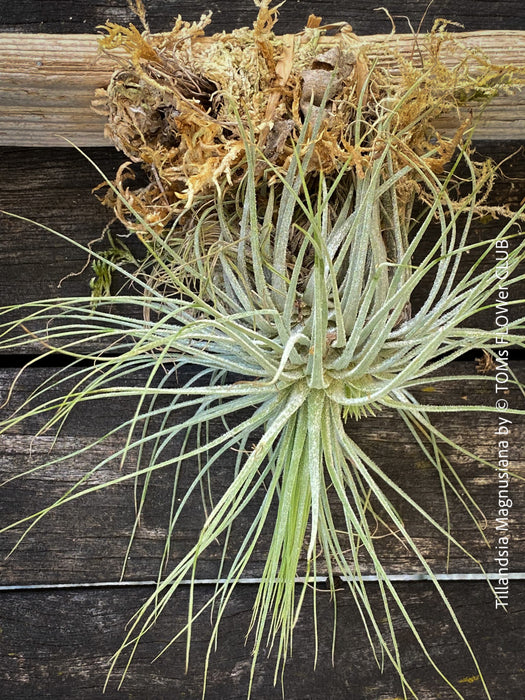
[290, 184]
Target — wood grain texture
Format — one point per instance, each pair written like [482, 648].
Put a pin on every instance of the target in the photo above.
[53, 187]
[47, 83]
[83, 16]
[57, 644]
[86, 540]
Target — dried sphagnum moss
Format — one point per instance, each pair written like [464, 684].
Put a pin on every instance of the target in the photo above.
[177, 102]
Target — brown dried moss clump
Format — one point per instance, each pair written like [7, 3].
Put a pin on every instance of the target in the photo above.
[179, 103]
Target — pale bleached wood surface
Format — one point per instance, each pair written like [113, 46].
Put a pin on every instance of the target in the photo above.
[47, 82]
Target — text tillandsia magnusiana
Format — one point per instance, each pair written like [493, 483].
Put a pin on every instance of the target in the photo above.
[503, 429]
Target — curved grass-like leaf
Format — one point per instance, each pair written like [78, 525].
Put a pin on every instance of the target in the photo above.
[301, 315]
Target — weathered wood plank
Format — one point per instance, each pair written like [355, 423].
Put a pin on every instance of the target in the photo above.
[82, 16]
[54, 188]
[47, 83]
[57, 645]
[86, 540]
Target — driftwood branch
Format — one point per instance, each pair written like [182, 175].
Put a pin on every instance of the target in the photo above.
[47, 83]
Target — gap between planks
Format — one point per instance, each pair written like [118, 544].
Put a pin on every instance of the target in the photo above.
[405, 578]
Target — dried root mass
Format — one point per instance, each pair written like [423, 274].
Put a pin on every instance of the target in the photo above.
[180, 101]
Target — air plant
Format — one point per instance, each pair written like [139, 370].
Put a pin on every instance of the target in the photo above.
[289, 189]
